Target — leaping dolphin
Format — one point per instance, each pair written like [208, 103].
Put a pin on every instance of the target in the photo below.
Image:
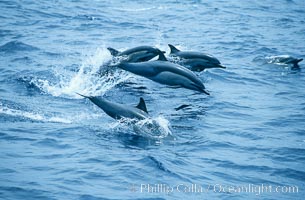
[136, 54]
[120, 111]
[147, 126]
[195, 61]
[166, 73]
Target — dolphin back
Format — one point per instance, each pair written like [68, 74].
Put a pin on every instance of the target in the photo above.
[138, 49]
[145, 69]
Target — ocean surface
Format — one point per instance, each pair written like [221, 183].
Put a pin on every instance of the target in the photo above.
[244, 141]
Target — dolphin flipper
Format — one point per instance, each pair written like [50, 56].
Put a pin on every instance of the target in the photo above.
[182, 106]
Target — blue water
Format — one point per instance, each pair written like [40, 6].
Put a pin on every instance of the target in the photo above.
[248, 132]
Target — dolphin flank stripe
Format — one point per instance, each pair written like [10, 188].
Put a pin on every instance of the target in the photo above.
[137, 54]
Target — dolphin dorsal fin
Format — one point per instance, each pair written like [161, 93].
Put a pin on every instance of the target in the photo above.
[142, 105]
[173, 48]
[113, 51]
[161, 56]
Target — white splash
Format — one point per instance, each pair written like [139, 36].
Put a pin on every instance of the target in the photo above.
[87, 80]
[33, 116]
[47, 118]
[278, 60]
[153, 128]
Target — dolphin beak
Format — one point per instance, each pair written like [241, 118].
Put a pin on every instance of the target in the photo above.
[82, 95]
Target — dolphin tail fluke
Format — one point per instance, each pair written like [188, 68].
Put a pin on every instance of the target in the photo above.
[173, 49]
[113, 51]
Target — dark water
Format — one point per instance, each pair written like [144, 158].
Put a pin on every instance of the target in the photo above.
[249, 132]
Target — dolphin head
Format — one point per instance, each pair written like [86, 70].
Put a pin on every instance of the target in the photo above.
[196, 86]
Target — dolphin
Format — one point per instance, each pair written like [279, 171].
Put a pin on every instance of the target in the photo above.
[119, 111]
[136, 54]
[285, 59]
[146, 126]
[195, 61]
[166, 73]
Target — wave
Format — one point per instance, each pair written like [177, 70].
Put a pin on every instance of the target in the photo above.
[44, 117]
[4, 33]
[15, 46]
[32, 116]
[142, 9]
